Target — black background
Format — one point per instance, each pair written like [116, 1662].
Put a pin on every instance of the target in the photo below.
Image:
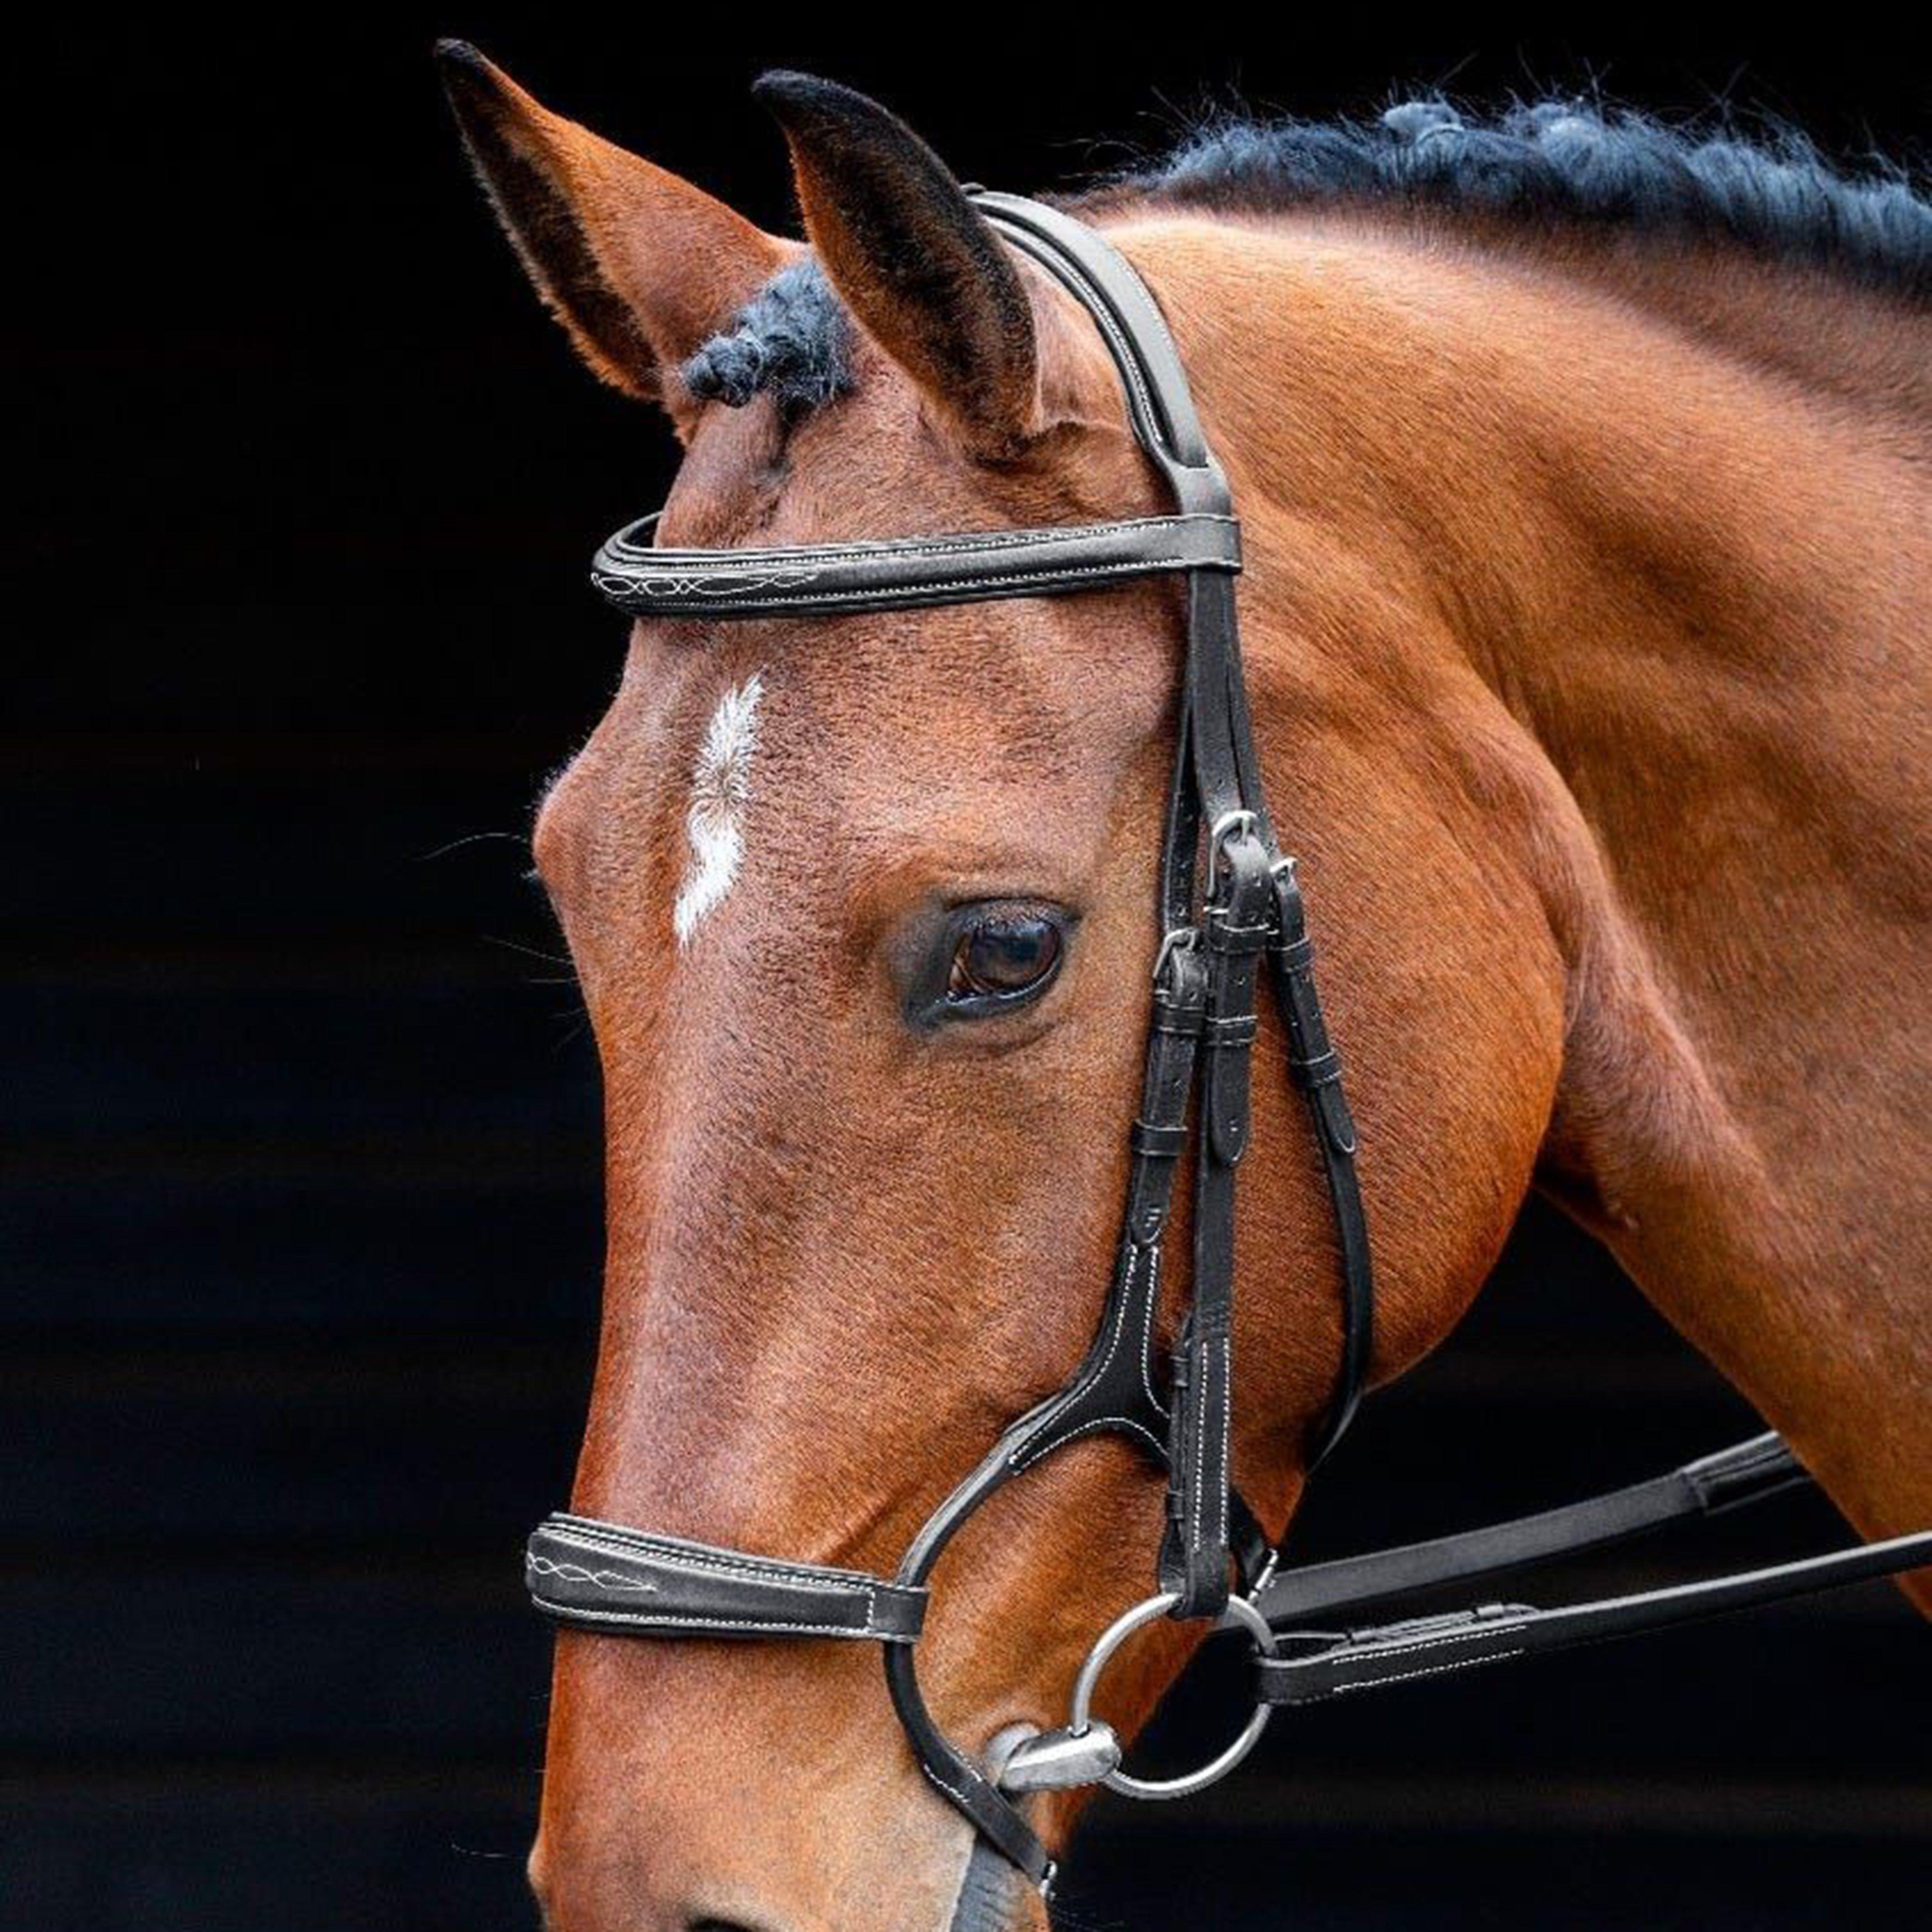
[299, 1217]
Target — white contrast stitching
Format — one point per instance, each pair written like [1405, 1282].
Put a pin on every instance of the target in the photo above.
[1427, 1670]
[1227, 1413]
[675, 1557]
[1194, 1492]
[1153, 1302]
[882, 594]
[1415, 1646]
[742, 1626]
[1120, 1425]
[963, 543]
[575, 1573]
[1030, 1452]
[671, 1550]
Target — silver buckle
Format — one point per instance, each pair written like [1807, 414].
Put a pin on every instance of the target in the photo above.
[1176, 941]
[1231, 824]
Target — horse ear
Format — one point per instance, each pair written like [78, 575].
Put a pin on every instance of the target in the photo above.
[914, 260]
[639, 266]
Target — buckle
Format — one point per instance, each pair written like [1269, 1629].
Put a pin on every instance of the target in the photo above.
[1231, 825]
[1181, 938]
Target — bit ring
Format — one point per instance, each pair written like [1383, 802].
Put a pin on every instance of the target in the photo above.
[1240, 1613]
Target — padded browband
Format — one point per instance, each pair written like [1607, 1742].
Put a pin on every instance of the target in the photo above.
[601, 1576]
[905, 573]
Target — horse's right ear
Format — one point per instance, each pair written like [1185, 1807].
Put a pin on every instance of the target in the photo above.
[640, 267]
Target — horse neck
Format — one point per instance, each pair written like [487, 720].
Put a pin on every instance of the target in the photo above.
[1641, 549]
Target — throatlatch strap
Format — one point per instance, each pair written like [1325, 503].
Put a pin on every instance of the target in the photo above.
[1315, 1068]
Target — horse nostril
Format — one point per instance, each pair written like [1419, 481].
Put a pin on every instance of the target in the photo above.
[718, 1925]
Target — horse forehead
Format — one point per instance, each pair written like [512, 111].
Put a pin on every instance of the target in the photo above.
[859, 468]
[796, 770]
[756, 756]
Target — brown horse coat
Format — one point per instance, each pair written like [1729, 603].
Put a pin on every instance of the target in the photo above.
[1586, 611]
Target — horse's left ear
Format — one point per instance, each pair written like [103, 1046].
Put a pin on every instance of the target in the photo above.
[639, 266]
[916, 262]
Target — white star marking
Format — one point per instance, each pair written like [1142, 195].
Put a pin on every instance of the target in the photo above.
[721, 789]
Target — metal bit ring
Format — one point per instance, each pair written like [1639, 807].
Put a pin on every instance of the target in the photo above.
[1240, 1613]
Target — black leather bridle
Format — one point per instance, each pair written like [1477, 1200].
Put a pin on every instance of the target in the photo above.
[1230, 905]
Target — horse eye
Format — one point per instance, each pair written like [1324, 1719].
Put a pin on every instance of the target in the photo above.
[1001, 956]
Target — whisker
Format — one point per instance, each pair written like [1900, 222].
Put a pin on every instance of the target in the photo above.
[468, 839]
[530, 952]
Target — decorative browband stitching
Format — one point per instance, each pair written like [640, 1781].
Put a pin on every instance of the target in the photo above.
[965, 567]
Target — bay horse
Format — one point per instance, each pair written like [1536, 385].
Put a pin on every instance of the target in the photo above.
[1587, 484]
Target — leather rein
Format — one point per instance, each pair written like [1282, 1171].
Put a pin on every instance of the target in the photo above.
[1230, 907]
